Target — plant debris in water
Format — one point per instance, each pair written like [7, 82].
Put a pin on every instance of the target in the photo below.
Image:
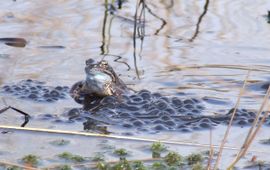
[265, 141]
[60, 142]
[14, 42]
[268, 17]
[259, 164]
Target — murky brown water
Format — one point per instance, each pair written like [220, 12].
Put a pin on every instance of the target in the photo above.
[62, 34]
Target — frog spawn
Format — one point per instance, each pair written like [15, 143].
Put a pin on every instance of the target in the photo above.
[151, 112]
[142, 111]
[35, 91]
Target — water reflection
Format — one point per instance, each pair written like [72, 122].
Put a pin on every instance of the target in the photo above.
[205, 8]
[106, 32]
[154, 45]
[138, 31]
[106, 27]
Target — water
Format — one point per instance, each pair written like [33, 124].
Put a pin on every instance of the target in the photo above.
[170, 57]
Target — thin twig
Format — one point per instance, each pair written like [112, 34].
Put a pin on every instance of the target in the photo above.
[231, 120]
[26, 115]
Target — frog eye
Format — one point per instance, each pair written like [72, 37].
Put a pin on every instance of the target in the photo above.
[90, 61]
[103, 62]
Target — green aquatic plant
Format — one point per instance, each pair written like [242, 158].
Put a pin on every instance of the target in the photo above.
[60, 142]
[13, 168]
[122, 153]
[63, 167]
[198, 166]
[102, 166]
[123, 164]
[71, 157]
[158, 166]
[194, 158]
[173, 159]
[31, 160]
[138, 165]
[157, 148]
[99, 157]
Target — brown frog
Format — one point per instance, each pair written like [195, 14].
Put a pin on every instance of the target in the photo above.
[100, 81]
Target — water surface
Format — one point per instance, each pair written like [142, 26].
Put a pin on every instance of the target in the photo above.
[169, 57]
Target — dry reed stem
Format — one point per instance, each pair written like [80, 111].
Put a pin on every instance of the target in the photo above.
[257, 116]
[256, 131]
[199, 87]
[211, 151]
[17, 165]
[63, 132]
[251, 136]
[231, 120]
[262, 68]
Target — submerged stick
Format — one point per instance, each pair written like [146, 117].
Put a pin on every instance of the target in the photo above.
[26, 115]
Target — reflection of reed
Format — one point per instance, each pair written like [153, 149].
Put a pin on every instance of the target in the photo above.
[118, 57]
[106, 31]
[138, 31]
[205, 9]
[106, 27]
[161, 19]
